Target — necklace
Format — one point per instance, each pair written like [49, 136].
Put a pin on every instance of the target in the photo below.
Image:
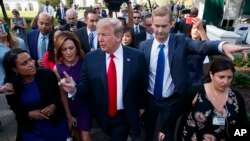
[218, 100]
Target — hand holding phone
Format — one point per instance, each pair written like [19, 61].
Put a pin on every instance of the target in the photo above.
[189, 20]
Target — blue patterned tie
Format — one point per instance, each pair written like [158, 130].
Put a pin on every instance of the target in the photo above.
[136, 29]
[43, 46]
[91, 39]
[159, 73]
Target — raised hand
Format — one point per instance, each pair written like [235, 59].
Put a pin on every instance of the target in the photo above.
[67, 83]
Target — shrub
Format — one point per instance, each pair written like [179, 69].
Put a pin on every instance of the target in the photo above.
[241, 80]
[238, 62]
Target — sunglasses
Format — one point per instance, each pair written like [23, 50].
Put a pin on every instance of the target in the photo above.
[97, 8]
[137, 17]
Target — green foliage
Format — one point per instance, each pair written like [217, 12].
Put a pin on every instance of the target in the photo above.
[53, 3]
[238, 62]
[241, 80]
[69, 3]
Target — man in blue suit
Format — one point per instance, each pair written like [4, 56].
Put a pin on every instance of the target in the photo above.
[114, 78]
[38, 39]
[166, 58]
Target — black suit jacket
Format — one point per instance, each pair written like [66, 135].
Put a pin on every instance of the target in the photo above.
[93, 82]
[59, 15]
[83, 36]
[67, 27]
[141, 28]
[142, 36]
[50, 94]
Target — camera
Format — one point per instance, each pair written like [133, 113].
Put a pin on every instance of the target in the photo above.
[114, 5]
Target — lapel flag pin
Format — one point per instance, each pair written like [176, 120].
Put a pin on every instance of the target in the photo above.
[128, 59]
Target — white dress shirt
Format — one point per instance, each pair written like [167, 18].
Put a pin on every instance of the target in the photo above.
[168, 85]
[50, 10]
[138, 28]
[149, 36]
[95, 38]
[118, 59]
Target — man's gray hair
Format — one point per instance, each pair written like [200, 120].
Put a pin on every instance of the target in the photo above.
[111, 22]
[71, 10]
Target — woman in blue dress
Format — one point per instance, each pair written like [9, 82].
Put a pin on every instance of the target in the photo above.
[35, 101]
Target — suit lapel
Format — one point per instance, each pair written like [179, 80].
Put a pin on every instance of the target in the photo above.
[36, 43]
[126, 67]
[148, 50]
[86, 40]
[171, 47]
[102, 66]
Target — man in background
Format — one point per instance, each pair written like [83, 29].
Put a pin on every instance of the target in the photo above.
[49, 9]
[61, 14]
[72, 23]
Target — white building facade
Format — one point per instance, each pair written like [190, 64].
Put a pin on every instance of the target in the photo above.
[33, 5]
[22, 5]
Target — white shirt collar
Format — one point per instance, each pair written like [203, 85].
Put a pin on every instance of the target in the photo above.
[158, 43]
[118, 53]
[88, 31]
[41, 35]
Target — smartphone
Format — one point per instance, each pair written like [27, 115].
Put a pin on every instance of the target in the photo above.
[189, 20]
[5, 28]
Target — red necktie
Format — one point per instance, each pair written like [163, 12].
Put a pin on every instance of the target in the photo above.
[112, 87]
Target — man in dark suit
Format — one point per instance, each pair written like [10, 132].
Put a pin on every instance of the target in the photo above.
[136, 20]
[87, 35]
[114, 79]
[100, 12]
[38, 40]
[146, 34]
[166, 58]
[61, 14]
[72, 23]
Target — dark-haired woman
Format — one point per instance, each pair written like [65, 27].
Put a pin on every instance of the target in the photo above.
[213, 111]
[35, 101]
[216, 109]
[128, 38]
[196, 31]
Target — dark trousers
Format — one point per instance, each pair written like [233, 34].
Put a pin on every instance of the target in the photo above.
[118, 127]
[161, 108]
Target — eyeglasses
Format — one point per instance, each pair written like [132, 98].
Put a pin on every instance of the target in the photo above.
[137, 17]
[97, 8]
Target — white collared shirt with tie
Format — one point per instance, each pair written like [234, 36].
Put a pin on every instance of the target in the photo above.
[95, 38]
[136, 28]
[118, 59]
[168, 85]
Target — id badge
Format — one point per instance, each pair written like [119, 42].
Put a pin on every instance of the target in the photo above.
[219, 121]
